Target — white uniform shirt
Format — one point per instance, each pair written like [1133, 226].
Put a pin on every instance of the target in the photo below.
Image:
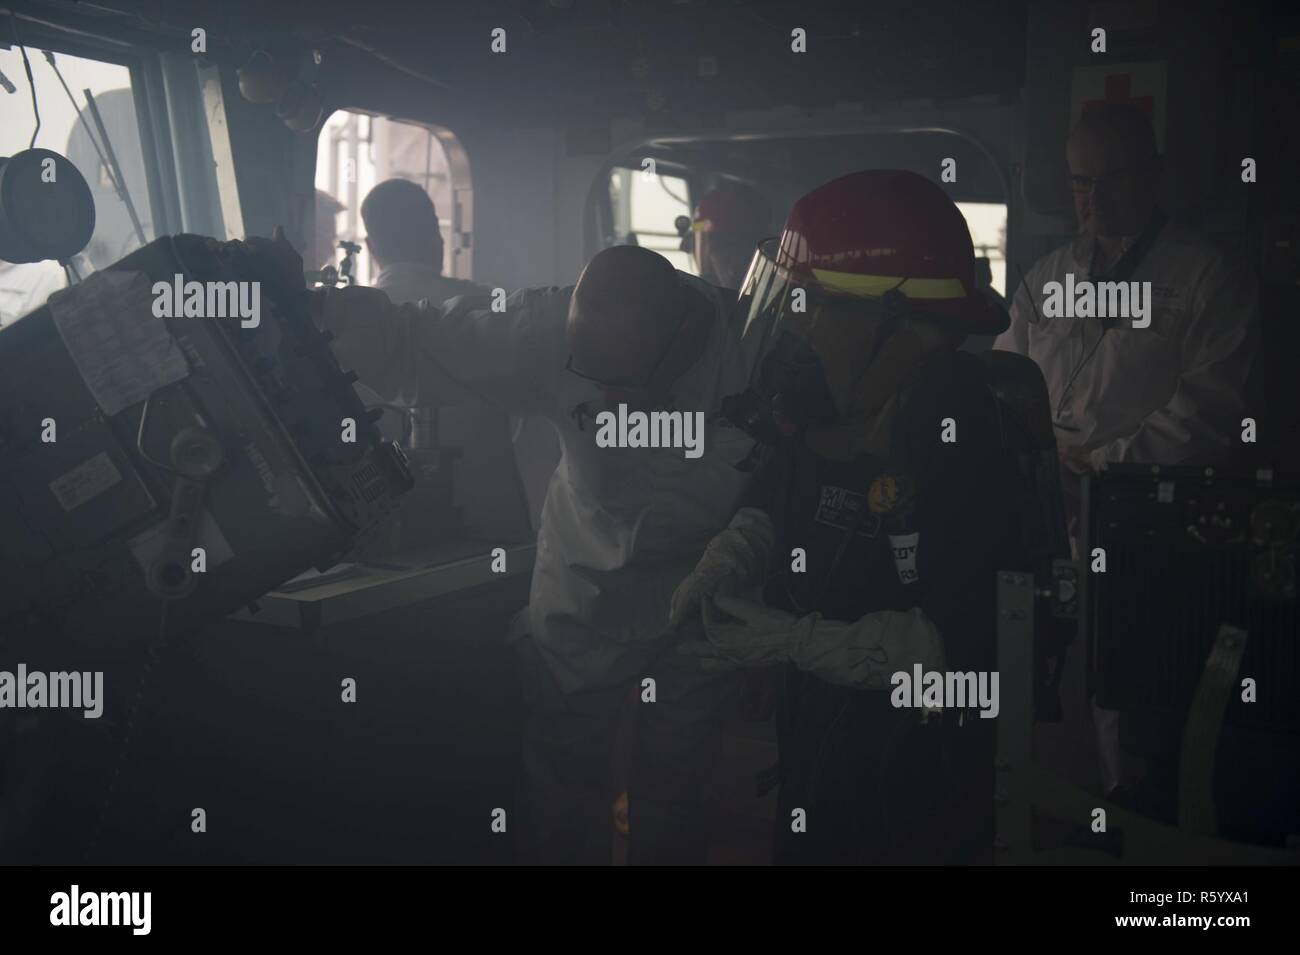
[411, 282]
[25, 287]
[1171, 393]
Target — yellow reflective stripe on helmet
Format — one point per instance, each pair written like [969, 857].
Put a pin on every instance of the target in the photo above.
[857, 284]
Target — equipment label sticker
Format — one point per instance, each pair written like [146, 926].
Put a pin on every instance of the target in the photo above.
[839, 507]
[88, 479]
[904, 550]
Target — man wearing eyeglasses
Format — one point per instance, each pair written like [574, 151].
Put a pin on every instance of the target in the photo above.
[1169, 393]
[1173, 392]
[620, 527]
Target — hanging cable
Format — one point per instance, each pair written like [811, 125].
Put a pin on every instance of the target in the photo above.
[31, 82]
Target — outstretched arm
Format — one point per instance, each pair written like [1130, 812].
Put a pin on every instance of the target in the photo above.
[512, 357]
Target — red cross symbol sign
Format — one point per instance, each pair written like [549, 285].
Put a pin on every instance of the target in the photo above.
[1118, 87]
[1145, 85]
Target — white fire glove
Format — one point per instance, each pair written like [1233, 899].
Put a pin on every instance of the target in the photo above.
[864, 654]
[734, 561]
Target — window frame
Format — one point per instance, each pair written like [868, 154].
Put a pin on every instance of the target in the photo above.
[603, 210]
[459, 244]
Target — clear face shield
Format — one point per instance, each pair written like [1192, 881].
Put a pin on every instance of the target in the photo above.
[821, 360]
[786, 378]
[762, 293]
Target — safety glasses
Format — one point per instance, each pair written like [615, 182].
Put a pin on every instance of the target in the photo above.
[1104, 182]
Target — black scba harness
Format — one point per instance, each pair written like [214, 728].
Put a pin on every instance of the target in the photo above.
[1127, 263]
[797, 469]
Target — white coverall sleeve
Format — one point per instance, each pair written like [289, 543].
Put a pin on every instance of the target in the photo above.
[512, 358]
[866, 653]
[863, 654]
[737, 559]
[1203, 417]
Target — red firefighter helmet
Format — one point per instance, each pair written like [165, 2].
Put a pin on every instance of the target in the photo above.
[860, 258]
[871, 232]
[729, 222]
[733, 207]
